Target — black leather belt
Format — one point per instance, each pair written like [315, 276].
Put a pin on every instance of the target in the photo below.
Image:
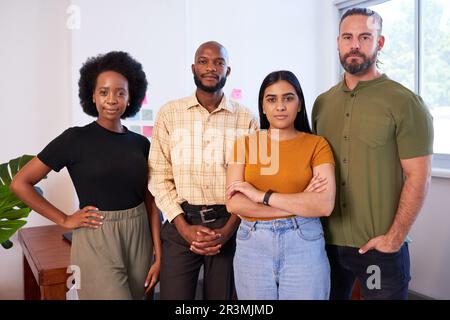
[205, 213]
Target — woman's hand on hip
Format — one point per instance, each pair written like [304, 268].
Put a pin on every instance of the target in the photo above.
[83, 218]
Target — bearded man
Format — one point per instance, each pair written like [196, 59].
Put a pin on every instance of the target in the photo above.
[188, 159]
[381, 134]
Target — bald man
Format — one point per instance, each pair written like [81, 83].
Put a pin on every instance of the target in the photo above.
[188, 157]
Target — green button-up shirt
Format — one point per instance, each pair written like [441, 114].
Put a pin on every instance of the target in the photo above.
[370, 128]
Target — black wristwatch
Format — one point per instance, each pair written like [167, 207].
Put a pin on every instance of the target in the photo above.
[267, 196]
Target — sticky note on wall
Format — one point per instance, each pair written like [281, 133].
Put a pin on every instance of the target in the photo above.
[147, 115]
[236, 94]
[145, 100]
[148, 131]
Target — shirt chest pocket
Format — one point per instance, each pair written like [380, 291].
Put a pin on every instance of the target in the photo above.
[374, 130]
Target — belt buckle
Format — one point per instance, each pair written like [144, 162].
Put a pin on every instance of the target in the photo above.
[202, 215]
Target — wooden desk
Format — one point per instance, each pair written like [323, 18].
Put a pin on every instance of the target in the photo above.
[46, 257]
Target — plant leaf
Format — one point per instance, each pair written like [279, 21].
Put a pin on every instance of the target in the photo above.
[11, 224]
[23, 160]
[15, 214]
[14, 166]
[7, 244]
[9, 202]
[8, 228]
[5, 179]
[12, 209]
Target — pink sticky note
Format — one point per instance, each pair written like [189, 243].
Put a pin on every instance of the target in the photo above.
[236, 94]
[145, 100]
[148, 131]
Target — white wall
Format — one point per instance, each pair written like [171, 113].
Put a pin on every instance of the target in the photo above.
[261, 37]
[40, 59]
[35, 68]
[430, 251]
[264, 36]
[252, 43]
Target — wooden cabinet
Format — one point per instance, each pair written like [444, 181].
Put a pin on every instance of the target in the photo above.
[46, 257]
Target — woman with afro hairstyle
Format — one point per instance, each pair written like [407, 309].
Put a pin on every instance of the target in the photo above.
[116, 231]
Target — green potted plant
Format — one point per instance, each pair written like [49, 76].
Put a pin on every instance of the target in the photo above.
[12, 210]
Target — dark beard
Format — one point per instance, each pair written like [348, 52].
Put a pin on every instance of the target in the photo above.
[355, 68]
[213, 89]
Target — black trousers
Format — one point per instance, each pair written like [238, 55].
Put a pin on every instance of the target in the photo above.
[180, 266]
[347, 265]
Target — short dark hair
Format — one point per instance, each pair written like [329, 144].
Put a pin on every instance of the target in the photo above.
[363, 12]
[301, 122]
[117, 61]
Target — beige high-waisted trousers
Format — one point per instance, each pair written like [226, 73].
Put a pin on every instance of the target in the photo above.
[114, 259]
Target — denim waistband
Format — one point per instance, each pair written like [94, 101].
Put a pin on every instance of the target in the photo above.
[285, 223]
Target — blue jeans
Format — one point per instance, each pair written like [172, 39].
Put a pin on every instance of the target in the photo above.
[281, 259]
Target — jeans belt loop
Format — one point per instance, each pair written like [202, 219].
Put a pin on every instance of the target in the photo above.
[294, 222]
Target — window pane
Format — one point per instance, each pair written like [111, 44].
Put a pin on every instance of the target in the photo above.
[398, 55]
[435, 72]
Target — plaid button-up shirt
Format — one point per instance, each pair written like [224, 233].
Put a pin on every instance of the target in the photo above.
[190, 150]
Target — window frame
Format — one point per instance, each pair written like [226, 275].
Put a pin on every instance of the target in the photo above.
[441, 161]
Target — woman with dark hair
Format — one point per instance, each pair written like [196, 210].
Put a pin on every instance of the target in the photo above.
[280, 182]
[116, 230]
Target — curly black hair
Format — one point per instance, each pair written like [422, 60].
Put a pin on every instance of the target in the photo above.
[120, 62]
